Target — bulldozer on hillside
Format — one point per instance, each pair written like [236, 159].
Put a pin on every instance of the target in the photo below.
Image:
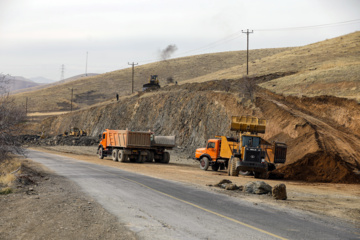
[246, 153]
[153, 83]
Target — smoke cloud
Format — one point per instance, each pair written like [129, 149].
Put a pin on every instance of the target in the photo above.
[167, 52]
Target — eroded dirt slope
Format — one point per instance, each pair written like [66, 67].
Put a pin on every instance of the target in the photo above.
[198, 111]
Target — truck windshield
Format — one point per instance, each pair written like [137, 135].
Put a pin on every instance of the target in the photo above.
[250, 141]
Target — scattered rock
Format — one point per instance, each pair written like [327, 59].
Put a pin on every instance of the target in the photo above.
[223, 182]
[258, 187]
[231, 186]
[227, 185]
[279, 192]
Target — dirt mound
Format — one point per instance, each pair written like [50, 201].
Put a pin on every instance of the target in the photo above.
[35, 140]
[320, 167]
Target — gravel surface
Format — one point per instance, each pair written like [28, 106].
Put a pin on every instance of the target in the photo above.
[48, 206]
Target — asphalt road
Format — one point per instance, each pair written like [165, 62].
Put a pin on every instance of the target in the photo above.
[160, 209]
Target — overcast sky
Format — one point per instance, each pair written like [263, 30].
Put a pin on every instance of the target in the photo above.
[38, 36]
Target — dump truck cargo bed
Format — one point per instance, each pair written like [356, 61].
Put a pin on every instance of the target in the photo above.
[129, 139]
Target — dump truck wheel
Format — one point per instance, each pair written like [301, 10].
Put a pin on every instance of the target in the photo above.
[150, 156]
[141, 158]
[232, 170]
[204, 163]
[115, 155]
[166, 157]
[215, 166]
[122, 157]
[101, 153]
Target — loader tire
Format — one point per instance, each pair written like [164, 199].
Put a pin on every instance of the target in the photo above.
[101, 153]
[122, 157]
[232, 170]
[204, 163]
[115, 155]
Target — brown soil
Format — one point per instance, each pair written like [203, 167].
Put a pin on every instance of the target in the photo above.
[47, 206]
[323, 129]
[320, 167]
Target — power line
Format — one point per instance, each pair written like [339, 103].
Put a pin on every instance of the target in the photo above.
[311, 27]
[237, 34]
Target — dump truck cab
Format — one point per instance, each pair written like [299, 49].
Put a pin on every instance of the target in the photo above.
[212, 150]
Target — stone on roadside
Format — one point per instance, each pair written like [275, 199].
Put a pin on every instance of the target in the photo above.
[231, 186]
[224, 181]
[279, 192]
[258, 187]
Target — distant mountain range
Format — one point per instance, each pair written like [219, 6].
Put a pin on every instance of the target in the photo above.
[16, 84]
[13, 83]
[42, 80]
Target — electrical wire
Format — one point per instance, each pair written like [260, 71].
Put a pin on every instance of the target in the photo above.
[239, 33]
[310, 27]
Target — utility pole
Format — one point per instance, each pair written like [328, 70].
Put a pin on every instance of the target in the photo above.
[62, 71]
[26, 104]
[86, 64]
[247, 52]
[132, 81]
[72, 92]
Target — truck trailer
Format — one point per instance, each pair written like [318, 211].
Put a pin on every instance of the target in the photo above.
[135, 146]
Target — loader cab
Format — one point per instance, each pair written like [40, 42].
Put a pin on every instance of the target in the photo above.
[250, 141]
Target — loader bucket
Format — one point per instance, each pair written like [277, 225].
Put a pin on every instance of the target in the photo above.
[248, 124]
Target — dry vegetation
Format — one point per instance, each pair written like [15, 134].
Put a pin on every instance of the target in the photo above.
[320, 68]
[7, 175]
[96, 89]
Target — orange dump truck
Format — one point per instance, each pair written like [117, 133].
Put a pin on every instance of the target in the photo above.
[135, 146]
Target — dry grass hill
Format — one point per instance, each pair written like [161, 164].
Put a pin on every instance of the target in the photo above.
[96, 89]
[322, 132]
[320, 70]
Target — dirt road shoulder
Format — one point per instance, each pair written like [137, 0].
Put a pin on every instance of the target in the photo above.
[48, 206]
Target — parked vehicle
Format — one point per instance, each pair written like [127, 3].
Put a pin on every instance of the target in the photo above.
[135, 146]
[246, 153]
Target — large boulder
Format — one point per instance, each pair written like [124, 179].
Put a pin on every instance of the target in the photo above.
[258, 187]
[279, 192]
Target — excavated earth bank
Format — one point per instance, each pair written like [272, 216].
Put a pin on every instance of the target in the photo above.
[322, 133]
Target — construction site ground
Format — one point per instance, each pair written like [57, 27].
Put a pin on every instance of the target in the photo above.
[326, 199]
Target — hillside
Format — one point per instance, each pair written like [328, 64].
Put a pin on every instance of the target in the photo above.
[194, 112]
[322, 132]
[330, 67]
[95, 89]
